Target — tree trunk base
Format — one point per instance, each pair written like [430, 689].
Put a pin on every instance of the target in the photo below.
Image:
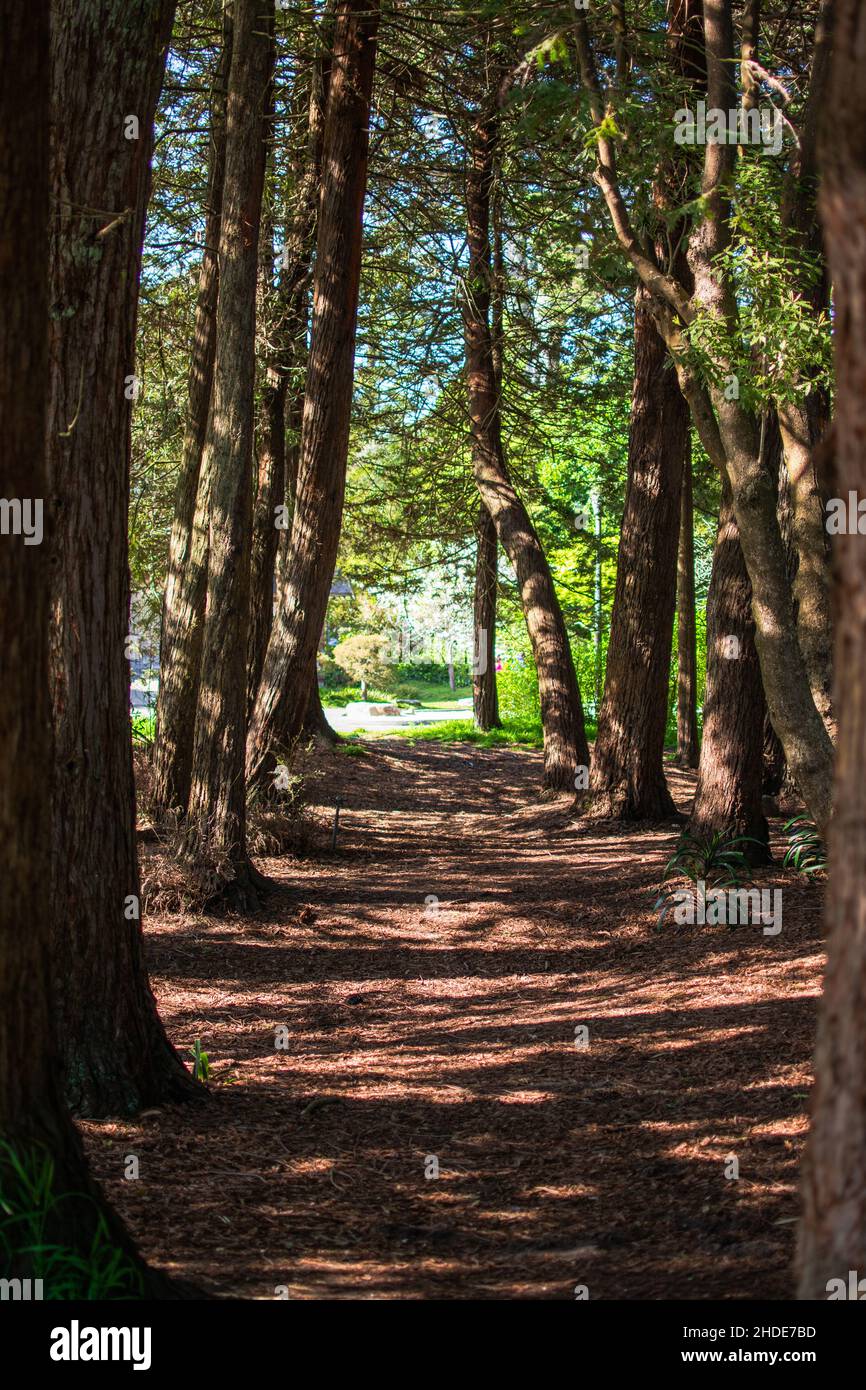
[76, 1216]
[753, 827]
[98, 1085]
[624, 803]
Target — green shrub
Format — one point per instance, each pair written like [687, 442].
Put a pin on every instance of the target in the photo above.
[365, 659]
[517, 687]
[434, 672]
[331, 676]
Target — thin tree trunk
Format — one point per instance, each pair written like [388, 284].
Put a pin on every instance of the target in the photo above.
[303, 598]
[277, 473]
[186, 579]
[728, 793]
[627, 780]
[269, 468]
[33, 1121]
[217, 804]
[107, 59]
[485, 701]
[485, 695]
[776, 775]
[688, 746]
[833, 1230]
[565, 745]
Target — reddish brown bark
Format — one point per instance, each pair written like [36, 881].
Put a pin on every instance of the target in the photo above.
[186, 579]
[485, 702]
[627, 780]
[833, 1229]
[286, 335]
[33, 1121]
[729, 787]
[217, 803]
[106, 60]
[688, 746]
[302, 600]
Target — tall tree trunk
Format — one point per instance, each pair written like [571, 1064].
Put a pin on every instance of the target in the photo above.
[833, 1230]
[485, 701]
[687, 655]
[107, 61]
[565, 745]
[728, 793]
[776, 776]
[186, 579]
[303, 598]
[217, 803]
[270, 471]
[805, 419]
[33, 1120]
[627, 780]
[485, 695]
[286, 336]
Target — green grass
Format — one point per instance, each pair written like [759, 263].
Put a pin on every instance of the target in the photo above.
[514, 732]
[29, 1212]
[431, 694]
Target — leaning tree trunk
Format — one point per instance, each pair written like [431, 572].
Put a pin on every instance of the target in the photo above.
[565, 746]
[303, 596]
[729, 434]
[34, 1124]
[726, 426]
[688, 746]
[186, 578]
[485, 700]
[217, 803]
[107, 59]
[627, 780]
[728, 793]
[833, 1230]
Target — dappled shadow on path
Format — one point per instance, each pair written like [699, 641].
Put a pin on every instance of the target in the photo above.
[430, 978]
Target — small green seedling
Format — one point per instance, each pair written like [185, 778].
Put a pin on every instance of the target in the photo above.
[201, 1062]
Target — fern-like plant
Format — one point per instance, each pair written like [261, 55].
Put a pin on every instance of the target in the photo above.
[717, 860]
[806, 852]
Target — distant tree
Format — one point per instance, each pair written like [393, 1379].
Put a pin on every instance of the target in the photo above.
[565, 743]
[365, 658]
[306, 576]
